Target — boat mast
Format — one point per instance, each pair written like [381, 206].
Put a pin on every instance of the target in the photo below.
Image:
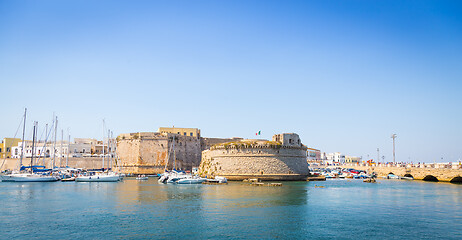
[109, 149]
[68, 148]
[45, 144]
[174, 154]
[103, 145]
[54, 144]
[61, 148]
[112, 150]
[23, 131]
[33, 148]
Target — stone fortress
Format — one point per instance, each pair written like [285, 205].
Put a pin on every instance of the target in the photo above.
[283, 158]
[152, 152]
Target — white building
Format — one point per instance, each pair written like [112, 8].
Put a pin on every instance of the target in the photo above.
[61, 149]
[334, 158]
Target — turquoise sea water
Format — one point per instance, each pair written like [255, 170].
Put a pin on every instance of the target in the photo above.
[343, 209]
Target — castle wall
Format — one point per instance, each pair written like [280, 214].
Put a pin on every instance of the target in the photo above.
[264, 162]
[207, 143]
[148, 153]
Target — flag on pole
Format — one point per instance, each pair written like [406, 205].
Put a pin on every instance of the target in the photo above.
[258, 133]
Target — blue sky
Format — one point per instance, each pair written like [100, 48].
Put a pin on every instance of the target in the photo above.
[344, 75]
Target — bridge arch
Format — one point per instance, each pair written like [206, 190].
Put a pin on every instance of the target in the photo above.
[457, 179]
[430, 178]
[408, 175]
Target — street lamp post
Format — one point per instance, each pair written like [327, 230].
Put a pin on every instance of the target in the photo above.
[393, 136]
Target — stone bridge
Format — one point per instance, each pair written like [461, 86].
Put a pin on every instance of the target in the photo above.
[426, 174]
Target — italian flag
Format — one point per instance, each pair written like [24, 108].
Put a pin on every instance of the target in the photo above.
[258, 133]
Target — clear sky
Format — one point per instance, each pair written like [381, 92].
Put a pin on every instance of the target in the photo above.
[344, 75]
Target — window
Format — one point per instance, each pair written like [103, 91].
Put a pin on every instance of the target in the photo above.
[190, 134]
[0, 150]
[290, 140]
[184, 134]
[7, 149]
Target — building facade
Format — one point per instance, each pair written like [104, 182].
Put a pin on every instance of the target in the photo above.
[313, 155]
[7, 145]
[190, 132]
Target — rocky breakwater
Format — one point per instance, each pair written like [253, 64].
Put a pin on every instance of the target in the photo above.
[283, 158]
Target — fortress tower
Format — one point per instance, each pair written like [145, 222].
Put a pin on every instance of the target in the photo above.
[283, 158]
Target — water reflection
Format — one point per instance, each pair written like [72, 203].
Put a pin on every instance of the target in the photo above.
[147, 209]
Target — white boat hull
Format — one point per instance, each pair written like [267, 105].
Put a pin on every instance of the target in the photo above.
[28, 178]
[98, 178]
[191, 180]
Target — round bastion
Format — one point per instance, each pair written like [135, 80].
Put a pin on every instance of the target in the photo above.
[283, 158]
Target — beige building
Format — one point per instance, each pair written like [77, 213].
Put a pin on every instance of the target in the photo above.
[190, 132]
[6, 146]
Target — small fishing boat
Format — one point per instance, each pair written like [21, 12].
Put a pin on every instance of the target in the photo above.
[142, 177]
[407, 178]
[392, 176]
[69, 179]
[218, 179]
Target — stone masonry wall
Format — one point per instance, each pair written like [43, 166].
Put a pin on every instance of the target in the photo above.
[151, 153]
[266, 163]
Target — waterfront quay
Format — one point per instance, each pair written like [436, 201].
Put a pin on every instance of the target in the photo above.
[418, 172]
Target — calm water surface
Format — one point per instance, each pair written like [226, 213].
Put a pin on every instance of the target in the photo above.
[343, 209]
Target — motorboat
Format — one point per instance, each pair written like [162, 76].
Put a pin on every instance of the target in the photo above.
[68, 179]
[193, 180]
[142, 177]
[407, 178]
[392, 176]
[221, 179]
[218, 179]
[173, 176]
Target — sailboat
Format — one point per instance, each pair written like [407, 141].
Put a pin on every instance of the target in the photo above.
[29, 175]
[103, 176]
[178, 177]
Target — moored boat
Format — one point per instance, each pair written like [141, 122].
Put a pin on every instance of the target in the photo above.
[28, 177]
[93, 177]
[193, 180]
[142, 177]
